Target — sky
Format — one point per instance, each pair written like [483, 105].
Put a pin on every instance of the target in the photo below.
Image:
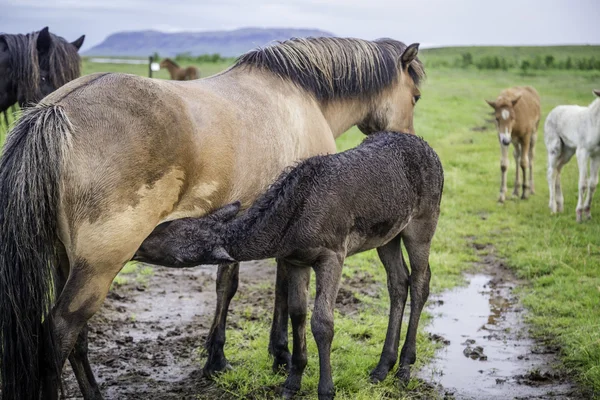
[430, 22]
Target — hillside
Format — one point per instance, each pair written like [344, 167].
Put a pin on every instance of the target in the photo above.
[226, 43]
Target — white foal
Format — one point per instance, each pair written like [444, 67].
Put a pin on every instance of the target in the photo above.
[574, 130]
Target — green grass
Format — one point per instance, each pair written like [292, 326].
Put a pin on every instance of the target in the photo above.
[559, 258]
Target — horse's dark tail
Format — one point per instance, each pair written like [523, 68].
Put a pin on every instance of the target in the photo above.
[29, 197]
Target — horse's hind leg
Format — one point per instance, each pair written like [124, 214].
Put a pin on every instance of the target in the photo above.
[397, 281]
[81, 297]
[417, 240]
[79, 356]
[592, 183]
[227, 284]
[278, 342]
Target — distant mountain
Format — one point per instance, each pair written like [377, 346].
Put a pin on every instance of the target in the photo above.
[226, 43]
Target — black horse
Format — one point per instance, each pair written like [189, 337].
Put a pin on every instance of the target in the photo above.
[35, 64]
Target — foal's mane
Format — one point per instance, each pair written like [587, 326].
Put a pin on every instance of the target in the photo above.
[62, 62]
[334, 68]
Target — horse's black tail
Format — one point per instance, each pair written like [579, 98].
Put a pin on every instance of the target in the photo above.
[29, 197]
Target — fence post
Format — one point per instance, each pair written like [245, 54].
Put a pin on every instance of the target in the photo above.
[150, 61]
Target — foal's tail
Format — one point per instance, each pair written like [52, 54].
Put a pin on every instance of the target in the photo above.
[29, 197]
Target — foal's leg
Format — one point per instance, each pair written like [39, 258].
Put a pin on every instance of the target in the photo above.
[582, 162]
[227, 284]
[524, 165]
[397, 276]
[592, 183]
[328, 273]
[278, 342]
[503, 169]
[417, 240]
[79, 356]
[531, 157]
[517, 156]
[299, 279]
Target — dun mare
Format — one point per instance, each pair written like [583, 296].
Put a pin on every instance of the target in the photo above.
[88, 173]
[33, 65]
[517, 112]
[177, 73]
[574, 130]
[385, 191]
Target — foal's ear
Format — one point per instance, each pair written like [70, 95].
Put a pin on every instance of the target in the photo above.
[491, 103]
[516, 100]
[78, 42]
[44, 40]
[597, 92]
[221, 256]
[228, 212]
[409, 54]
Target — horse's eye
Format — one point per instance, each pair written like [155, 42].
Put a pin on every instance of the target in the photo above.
[417, 97]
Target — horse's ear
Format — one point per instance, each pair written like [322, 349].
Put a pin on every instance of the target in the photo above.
[78, 42]
[227, 213]
[597, 92]
[516, 100]
[409, 55]
[44, 40]
[221, 256]
[491, 103]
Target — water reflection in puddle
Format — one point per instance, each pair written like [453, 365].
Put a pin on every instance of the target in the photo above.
[489, 350]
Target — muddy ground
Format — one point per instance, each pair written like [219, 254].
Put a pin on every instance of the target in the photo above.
[145, 341]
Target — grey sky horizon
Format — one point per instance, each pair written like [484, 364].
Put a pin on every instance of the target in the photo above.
[430, 22]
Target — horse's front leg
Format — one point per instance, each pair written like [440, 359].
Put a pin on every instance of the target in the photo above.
[503, 169]
[592, 183]
[278, 343]
[227, 284]
[582, 162]
[328, 274]
[517, 156]
[524, 165]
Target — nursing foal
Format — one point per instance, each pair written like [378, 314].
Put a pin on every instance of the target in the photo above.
[384, 192]
[518, 113]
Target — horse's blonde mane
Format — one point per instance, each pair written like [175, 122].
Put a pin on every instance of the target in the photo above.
[334, 68]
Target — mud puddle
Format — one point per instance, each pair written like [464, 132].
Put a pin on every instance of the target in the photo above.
[487, 352]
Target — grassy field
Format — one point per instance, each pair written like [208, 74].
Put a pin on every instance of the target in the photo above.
[559, 258]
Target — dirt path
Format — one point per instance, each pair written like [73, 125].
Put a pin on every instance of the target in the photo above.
[144, 342]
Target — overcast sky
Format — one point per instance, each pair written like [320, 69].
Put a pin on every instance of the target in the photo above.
[430, 22]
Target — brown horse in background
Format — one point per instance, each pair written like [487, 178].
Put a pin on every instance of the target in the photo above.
[180, 74]
[88, 174]
[518, 113]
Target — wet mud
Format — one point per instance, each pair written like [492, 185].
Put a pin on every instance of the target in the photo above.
[487, 351]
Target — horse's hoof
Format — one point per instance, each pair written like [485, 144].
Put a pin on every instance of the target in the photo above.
[377, 375]
[288, 393]
[403, 376]
[326, 396]
[282, 364]
[210, 372]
